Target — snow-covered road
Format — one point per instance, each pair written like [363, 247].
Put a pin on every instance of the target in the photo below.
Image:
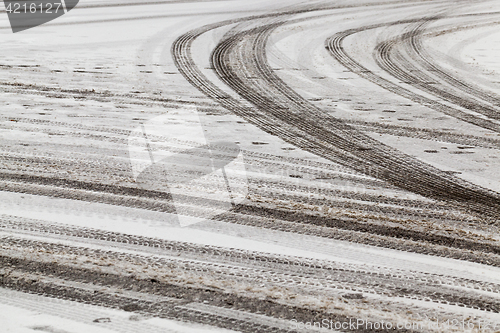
[250, 166]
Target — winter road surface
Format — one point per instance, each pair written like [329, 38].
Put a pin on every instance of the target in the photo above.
[352, 150]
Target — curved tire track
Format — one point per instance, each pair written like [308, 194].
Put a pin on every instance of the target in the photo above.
[296, 121]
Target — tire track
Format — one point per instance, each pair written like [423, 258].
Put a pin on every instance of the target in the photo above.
[390, 59]
[304, 122]
[309, 278]
[334, 45]
[427, 134]
[99, 96]
[161, 202]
